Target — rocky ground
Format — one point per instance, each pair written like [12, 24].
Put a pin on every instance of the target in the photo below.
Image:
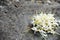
[15, 17]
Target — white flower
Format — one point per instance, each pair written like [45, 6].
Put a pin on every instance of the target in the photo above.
[53, 32]
[34, 28]
[46, 23]
[43, 33]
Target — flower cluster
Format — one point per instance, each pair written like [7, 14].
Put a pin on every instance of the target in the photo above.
[44, 23]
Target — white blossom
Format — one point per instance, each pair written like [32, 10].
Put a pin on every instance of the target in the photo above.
[45, 23]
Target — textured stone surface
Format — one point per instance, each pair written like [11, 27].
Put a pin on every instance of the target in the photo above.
[15, 16]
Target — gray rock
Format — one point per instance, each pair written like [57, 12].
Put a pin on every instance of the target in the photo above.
[15, 18]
